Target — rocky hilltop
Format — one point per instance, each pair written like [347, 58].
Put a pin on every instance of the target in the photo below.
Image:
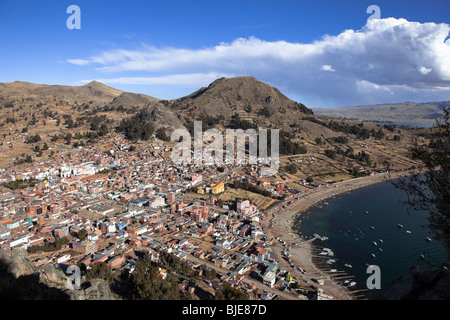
[20, 281]
[248, 97]
[420, 285]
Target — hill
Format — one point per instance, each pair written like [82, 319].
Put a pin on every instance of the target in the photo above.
[398, 112]
[42, 121]
[93, 91]
[248, 97]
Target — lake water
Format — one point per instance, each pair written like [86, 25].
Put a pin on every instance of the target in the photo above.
[352, 231]
[406, 124]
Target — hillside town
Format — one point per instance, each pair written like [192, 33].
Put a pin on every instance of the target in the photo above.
[109, 205]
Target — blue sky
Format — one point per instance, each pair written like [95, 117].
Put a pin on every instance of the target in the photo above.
[320, 53]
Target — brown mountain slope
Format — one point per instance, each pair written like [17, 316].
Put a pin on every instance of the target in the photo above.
[132, 99]
[93, 91]
[252, 99]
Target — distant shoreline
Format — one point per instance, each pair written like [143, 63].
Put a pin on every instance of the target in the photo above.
[280, 226]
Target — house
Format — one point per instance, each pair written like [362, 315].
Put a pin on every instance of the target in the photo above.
[61, 232]
[92, 237]
[107, 227]
[137, 231]
[63, 258]
[226, 244]
[85, 247]
[116, 262]
[218, 188]
[162, 273]
[101, 209]
[269, 278]
[157, 201]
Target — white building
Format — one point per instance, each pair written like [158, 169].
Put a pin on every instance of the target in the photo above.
[269, 278]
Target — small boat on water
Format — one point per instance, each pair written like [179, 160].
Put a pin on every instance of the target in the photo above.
[409, 232]
[373, 256]
[422, 256]
[348, 265]
[428, 239]
[380, 240]
[380, 249]
[400, 226]
[372, 227]
[374, 243]
[367, 212]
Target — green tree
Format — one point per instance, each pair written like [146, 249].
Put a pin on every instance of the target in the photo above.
[429, 188]
[148, 285]
[100, 270]
[229, 293]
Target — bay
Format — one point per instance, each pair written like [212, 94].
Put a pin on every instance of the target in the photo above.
[356, 220]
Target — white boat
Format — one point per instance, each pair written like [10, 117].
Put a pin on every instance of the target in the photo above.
[422, 256]
[373, 255]
[348, 265]
[371, 227]
[351, 284]
[428, 239]
[380, 240]
[374, 243]
[333, 270]
[380, 249]
[400, 226]
[407, 231]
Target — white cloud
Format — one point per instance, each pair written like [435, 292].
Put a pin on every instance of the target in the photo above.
[327, 67]
[424, 70]
[79, 62]
[380, 61]
[184, 80]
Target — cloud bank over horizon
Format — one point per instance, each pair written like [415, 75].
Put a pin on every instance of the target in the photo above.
[388, 60]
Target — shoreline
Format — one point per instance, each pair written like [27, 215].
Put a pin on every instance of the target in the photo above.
[279, 222]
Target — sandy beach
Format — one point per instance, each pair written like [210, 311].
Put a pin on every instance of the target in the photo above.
[278, 225]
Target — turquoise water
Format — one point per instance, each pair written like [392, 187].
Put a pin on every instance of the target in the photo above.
[407, 124]
[351, 232]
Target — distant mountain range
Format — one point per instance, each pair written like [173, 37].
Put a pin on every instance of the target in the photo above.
[94, 93]
[398, 112]
[93, 113]
[240, 102]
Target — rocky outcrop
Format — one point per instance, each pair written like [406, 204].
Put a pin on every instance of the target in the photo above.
[18, 263]
[52, 276]
[20, 281]
[96, 290]
[420, 285]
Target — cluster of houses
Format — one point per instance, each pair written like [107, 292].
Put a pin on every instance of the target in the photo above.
[108, 204]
